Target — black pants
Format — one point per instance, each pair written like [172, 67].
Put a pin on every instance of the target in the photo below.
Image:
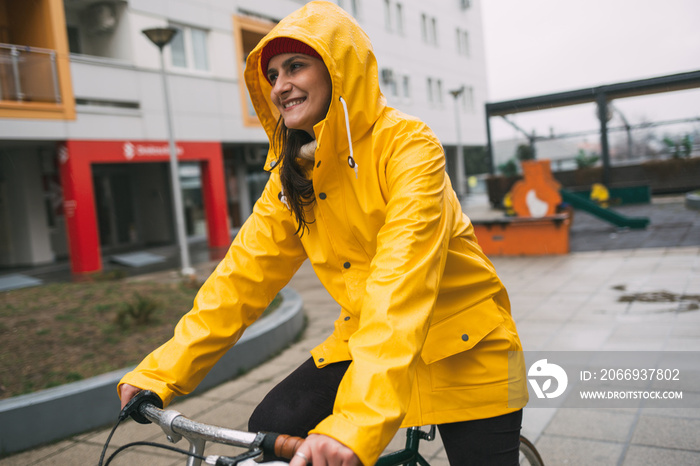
[306, 397]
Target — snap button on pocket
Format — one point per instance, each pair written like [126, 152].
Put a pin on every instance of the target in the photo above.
[465, 337]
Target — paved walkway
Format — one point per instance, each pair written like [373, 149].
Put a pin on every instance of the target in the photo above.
[560, 303]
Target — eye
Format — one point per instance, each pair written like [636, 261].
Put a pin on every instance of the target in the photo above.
[272, 77]
[295, 66]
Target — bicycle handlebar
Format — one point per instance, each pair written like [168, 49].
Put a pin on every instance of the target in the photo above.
[285, 446]
[176, 426]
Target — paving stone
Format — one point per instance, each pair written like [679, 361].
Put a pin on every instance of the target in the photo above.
[558, 450]
[127, 432]
[535, 420]
[231, 414]
[229, 390]
[256, 395]
[146, 456]
[667, 432]
[593, 424]
[40, 454]
[650, 456]
[580, 337]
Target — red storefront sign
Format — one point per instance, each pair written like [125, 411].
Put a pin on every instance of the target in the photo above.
[75, 161]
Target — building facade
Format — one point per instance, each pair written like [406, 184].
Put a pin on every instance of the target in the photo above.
[83, 129]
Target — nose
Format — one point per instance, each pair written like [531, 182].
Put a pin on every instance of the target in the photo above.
[281, 86]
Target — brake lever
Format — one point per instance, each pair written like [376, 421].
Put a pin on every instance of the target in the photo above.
[132, 407]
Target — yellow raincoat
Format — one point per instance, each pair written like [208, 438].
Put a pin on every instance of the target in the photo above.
[423, 315]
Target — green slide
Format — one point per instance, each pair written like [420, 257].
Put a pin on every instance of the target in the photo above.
[578, 202]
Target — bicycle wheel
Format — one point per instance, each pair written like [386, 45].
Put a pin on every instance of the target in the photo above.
[529, 454]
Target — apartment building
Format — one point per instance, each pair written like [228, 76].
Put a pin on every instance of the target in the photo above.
[83, 128]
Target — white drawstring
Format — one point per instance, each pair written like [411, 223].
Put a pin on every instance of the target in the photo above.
[351, 159]
[283, 198]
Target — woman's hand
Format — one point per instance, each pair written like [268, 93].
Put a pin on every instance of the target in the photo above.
[323, 450]
[127, 392]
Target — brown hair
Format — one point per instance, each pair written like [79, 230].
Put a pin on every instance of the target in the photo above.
[298, 189]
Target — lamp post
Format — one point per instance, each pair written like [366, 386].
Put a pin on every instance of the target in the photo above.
[459, 165]
[162, 37]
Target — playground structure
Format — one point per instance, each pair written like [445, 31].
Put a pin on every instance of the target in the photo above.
[543, 215]
[544, 210]
[607, 214]
[539, 227]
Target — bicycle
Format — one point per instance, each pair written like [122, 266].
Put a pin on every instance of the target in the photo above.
[146, 407]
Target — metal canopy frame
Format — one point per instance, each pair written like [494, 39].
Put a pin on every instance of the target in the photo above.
[600, 95]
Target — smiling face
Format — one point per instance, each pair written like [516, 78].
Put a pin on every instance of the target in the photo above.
[301, 89]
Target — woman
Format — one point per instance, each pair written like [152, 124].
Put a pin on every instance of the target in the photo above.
[359, 189]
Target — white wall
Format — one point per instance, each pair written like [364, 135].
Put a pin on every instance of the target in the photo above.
[26, 213]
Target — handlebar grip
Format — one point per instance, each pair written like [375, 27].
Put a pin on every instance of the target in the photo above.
[286, 446]
[133, 407]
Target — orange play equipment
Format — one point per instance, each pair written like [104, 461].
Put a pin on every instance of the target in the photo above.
[537, 194]
[538, 228]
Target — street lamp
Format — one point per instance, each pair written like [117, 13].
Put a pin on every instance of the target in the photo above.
[459, 165]
[162, 37]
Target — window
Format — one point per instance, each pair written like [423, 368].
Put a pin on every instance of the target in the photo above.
[429, 29]
[389, 82]
[394, 88]
[399, 18]
[188, 48]
[406, 81]
[73, 39]
[463, 46]
[387, 14]
[434, 35]
[468, 99]
[434, 87]
[351, 6]
[393, 17]
[248, 32]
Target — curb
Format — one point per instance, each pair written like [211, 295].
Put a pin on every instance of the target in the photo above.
[30, 420]
[692, 200]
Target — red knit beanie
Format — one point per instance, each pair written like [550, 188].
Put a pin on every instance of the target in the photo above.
[280, 45]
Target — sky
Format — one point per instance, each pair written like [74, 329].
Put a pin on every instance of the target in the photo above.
[536, 47]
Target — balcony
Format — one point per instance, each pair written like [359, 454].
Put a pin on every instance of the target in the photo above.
[28, 74]
[35, 80]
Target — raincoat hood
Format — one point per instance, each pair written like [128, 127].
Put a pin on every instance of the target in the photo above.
[347, 53]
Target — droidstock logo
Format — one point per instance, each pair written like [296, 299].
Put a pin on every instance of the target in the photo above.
[547, 371]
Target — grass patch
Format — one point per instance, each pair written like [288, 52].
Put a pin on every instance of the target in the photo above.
[64, 332]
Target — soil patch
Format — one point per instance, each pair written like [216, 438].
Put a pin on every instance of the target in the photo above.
[64, 332]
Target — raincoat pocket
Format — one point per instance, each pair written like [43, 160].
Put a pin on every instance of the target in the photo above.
[460, 332]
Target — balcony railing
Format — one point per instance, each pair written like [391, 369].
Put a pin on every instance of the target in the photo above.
[28, 74]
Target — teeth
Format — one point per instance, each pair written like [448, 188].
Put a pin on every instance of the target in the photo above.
[293, 102]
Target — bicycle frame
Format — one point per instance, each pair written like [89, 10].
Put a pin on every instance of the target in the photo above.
[409, 456]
